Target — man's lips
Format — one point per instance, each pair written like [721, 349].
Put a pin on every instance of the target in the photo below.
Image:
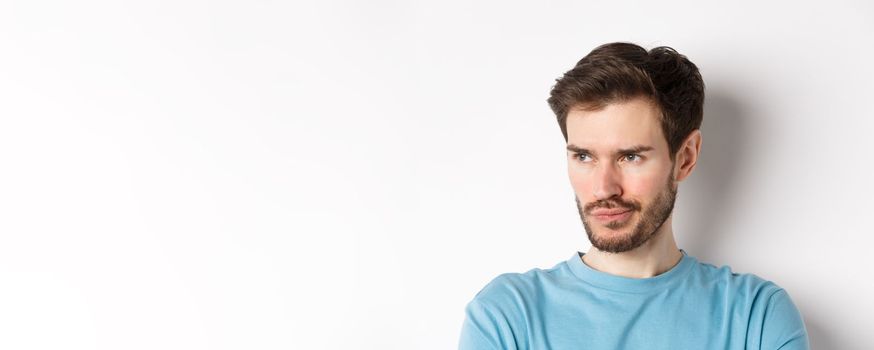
[603, 212]
[608, 215]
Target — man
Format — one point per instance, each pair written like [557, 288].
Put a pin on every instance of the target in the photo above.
[631, 119]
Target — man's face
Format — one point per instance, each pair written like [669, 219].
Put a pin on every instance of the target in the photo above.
[619, 163]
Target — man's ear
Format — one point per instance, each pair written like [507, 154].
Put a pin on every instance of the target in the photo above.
[687, 155]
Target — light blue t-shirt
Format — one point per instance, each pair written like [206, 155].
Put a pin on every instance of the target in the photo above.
[573, 306]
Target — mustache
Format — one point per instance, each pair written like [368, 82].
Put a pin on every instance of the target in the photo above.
[611, 204]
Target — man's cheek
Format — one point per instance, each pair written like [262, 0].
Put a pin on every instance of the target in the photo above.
[641, 187]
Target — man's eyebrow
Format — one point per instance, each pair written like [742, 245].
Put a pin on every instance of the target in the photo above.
[632, 149]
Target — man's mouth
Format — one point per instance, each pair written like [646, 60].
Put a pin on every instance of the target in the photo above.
[611, 214]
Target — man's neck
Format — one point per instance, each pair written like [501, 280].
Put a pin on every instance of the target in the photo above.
[653, 258]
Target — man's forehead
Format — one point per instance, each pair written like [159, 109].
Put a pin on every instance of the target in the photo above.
[636, 111]
[617, 127]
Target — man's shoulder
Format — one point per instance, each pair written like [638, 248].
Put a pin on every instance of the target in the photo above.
[770, 311]
[496, 316]
[513, 287]
[724, 277]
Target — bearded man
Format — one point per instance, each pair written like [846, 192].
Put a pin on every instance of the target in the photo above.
[631, 119]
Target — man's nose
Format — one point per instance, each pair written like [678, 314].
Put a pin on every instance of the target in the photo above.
[606, 182]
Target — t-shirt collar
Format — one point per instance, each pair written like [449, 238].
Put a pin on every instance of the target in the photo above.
[628, 284]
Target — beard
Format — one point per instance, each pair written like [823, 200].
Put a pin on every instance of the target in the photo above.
[649, 220]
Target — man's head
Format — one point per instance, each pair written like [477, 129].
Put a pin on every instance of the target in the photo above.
[631, 119]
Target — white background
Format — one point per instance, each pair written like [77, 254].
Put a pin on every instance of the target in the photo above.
[274, 175]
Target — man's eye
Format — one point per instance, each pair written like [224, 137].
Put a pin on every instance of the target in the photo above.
[579, 156]
[626, 157]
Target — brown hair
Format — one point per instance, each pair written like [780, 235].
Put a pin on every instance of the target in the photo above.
[620, 71]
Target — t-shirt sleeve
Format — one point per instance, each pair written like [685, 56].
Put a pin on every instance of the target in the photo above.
[488, 319]
[481, 328]
[783, 327]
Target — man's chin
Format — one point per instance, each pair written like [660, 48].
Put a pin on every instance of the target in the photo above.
[612, 238]
[612, 241]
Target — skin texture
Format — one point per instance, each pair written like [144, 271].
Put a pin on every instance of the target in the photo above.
[604, 177]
